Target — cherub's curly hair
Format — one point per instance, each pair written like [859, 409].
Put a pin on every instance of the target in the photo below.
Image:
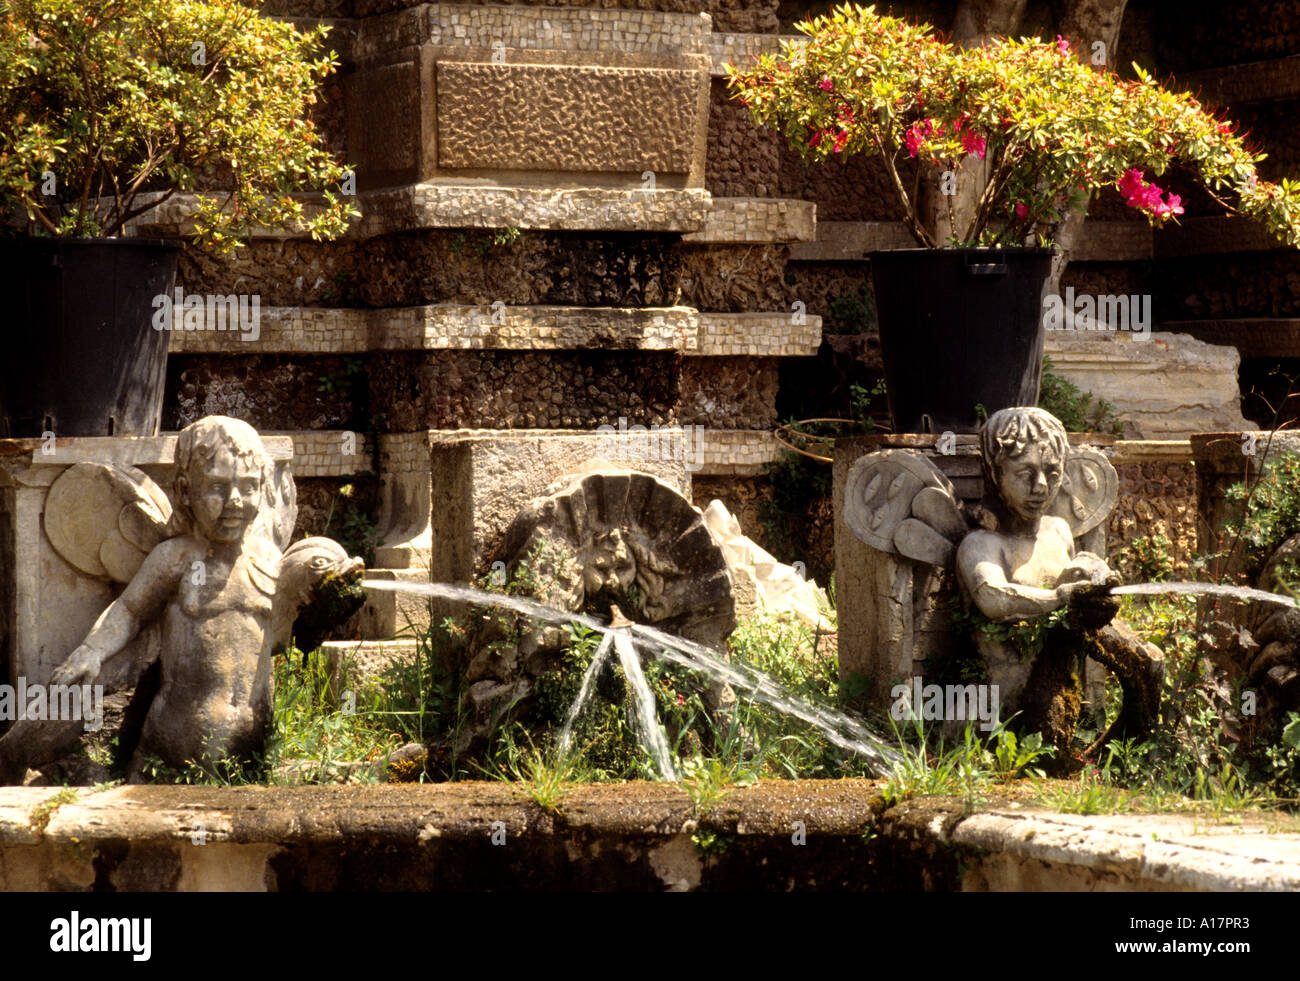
[198, 443]
[1008, 433]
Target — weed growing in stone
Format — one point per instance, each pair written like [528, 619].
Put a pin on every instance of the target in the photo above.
[545, 778]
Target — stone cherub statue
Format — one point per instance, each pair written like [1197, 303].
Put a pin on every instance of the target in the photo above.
[208, 604]
[1019, 561]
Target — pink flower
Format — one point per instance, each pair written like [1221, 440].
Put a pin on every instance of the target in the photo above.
[912, 141]
[1148, 197]
[1021, 209]
[825, 84]
[1062, 45]
[680, 699]
[841, 138]
[816, 139]
[973, 143]
[1130, 182]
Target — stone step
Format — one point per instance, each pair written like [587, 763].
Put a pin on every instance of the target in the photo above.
[451, 326]
[438, 204]
[480, 29]
[1214, 236]
[742, 50]
[842, 241]
[433, 204]
[744, 220]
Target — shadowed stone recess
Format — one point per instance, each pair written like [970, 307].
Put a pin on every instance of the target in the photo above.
[414, 268]
[514, 390]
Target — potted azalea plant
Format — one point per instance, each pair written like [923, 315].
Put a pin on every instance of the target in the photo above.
[988, 149]
[109, 108]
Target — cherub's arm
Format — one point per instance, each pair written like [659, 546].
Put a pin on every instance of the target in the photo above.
[979, 563]
[149, 588]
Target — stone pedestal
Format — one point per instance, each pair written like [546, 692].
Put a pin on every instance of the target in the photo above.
[892, 611]
[46, 605]
[449, 497]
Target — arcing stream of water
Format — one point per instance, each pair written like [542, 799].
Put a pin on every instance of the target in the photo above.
[842, 730]
[1204, 589]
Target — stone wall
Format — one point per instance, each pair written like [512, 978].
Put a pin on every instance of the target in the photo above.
[1206, 34]
[445, 266]
[745, 160]
[1243, 285]
[729, 393]
[1156, 498]
[518, 390]
[266, 391]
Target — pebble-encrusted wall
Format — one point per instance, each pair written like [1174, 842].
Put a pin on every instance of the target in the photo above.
[1206, 33]
[1258, 284]
[729, 393]
[447, 266]
[272, 391]
[1155, 499]
[521, 390]
[745, 161]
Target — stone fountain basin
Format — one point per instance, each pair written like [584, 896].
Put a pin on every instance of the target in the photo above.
[632, 836]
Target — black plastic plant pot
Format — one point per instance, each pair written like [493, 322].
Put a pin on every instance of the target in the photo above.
[960, 330]
[84, 357]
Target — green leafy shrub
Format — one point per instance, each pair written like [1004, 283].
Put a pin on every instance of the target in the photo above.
[109, 107]
[852, 313]
[1268, 511]
[1049, 127]
[1146, 559]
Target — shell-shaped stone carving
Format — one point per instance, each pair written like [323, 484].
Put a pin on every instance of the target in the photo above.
[1089, 489]
[613, 536]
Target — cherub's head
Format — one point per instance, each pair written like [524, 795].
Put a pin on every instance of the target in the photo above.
[1024, 451]
[220, 470]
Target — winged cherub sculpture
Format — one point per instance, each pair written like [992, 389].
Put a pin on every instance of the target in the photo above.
[1016, 558]
[208, 596]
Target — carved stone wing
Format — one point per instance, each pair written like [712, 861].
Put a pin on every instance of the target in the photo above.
[104, 518]
[897, 501]
[1089, 489]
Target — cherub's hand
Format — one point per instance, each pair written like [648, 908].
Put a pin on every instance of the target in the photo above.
[1091, 604]
[81, 667]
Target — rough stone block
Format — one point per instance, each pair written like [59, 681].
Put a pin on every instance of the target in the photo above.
[566, 118]
[388, 614]
[1169, 386]
[481, 480]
